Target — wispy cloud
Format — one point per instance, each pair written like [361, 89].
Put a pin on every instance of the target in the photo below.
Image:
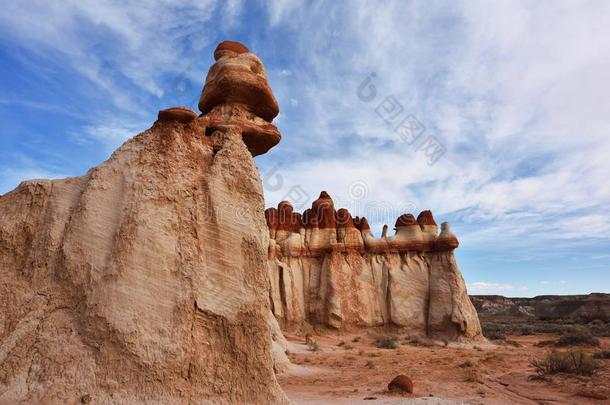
[518, 98]
[517, 93]
[482, 287]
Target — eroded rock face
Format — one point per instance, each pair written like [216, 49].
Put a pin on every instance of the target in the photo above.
[332, 271]
[143, 281]
[237, 92]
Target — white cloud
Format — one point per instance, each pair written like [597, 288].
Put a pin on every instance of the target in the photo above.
[111, 43]
[481, 287]
[11, 178]
[517, 93]
[110, 135]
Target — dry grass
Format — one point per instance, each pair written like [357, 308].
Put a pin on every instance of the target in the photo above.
[571, 362]
[386, 341]
[604, 354]
[577, 338]
[466, 364]
[473, 376]
[313, 345]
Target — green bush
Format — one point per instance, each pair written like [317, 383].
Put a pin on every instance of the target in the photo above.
[571, 362]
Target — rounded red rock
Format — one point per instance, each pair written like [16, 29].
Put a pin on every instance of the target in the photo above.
[401, 383]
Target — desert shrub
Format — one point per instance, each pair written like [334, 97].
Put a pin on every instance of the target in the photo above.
[571, 362]
[313, 345]
[600, 329]
[549, 328]
[495, 335]
[356, 339]
[545, 343]
[604, 354]
[348, 347]
[513, 343]
[472, 376]
[577, 337]
[385, 341]
[526, 330]
[369, 364]
[414, 341]
[489, 356]
[466, 364]
[341, 343]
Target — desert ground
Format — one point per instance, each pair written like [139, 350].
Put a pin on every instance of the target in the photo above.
[352, 369]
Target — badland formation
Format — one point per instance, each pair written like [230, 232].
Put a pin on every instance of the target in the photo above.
[139, 282]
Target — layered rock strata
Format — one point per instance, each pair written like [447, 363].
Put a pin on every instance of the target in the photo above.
[327, 268]
[236, 91]
[145, 280]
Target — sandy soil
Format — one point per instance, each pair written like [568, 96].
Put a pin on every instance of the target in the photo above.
[356, 372]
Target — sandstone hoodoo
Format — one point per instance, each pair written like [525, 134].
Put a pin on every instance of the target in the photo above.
[159, 277]
[137, 282]
[330, 270]
[237, 92]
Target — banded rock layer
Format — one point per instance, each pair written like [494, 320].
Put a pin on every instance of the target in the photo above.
[328, 269]
[137, 282]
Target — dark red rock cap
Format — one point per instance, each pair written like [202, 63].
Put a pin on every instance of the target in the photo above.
[344, 219]
[180, 114]
[232, 46]
[362, 224]
[426, 218]
[405, 220]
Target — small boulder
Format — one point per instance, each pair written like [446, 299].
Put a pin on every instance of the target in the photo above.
[401, 383]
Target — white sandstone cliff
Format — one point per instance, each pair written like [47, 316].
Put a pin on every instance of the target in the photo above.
[328, 269]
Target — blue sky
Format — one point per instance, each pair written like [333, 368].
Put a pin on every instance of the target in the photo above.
[516, 94]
